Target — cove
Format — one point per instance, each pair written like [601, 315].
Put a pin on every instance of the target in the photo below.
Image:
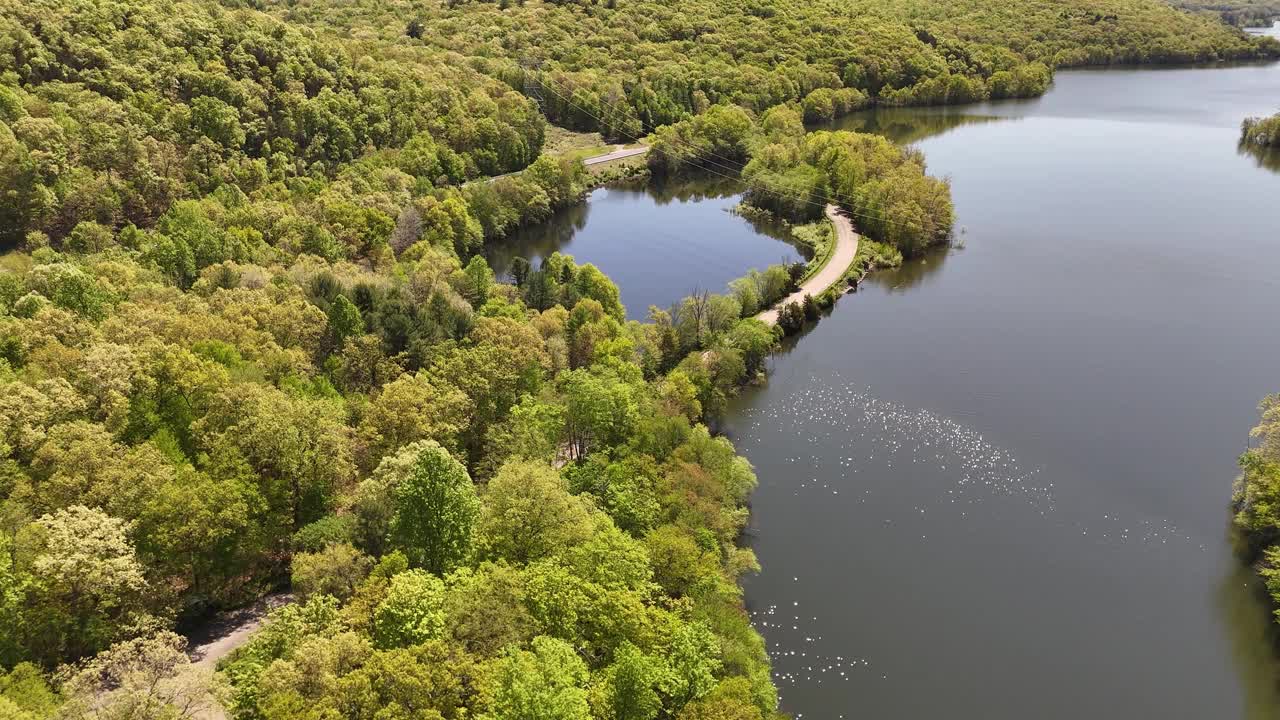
[995, 482]
[659, 242]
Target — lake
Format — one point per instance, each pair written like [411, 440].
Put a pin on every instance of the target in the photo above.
[659, 242]
[995, 483]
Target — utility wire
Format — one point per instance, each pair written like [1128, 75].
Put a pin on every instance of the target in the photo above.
[732, 167]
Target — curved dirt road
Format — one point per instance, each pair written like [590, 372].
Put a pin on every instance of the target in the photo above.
[229, 630]
[845, 250]
[223, 634]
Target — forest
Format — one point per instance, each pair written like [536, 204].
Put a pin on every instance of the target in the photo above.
[680, 60]
[249, 340]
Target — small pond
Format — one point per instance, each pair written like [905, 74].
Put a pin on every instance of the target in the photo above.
[659, 242]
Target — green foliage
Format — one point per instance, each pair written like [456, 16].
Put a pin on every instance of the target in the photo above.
[27, 690]
[144, 678]
[201, 415]
[344, 320]
[694, 662]
[251, 340]
[413, 611]
[625, 489]
[478, 281]
[435, 509]
[276, 134]
[547, 683]
[630, 686]
[528, 514]
[647, 64]
[810, 308]
[486, 609]
[826, 103]
[1256, 499]
[336, 570]
[286, 630]
[508, 202]
[1257, 490]
[717, 138]
[85, 586]
[11, 601]
[1261, 132]
[344, 675]
[884, 187]
[326, 531]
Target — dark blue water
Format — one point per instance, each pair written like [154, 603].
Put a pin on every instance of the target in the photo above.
[659, 243]
[994, 484]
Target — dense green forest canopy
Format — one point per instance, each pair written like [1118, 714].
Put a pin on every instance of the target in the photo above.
[237, 354]
[113, 112]
[484, 493]
[627, 66]
[248, 340]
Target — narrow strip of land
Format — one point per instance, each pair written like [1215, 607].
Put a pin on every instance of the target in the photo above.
[841, 258]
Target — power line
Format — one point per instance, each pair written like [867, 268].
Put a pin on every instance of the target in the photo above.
[732, 167]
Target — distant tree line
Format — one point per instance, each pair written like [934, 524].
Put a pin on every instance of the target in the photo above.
[625, 68]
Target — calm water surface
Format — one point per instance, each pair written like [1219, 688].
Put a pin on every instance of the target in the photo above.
[658, 242]
[1273, 31]
[994, 484]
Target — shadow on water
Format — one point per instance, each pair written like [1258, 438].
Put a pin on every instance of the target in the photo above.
[909, 125]
[1263, 157]
[1242, 598]
[540, 240]
[689, 187]
[913, 273]
[1124, 386]
[658, 240]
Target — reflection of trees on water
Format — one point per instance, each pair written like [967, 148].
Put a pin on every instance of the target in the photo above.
[692, 187]
[778, 230]
[908, 125]
[912, 273]
[698, 186]
[1263, 157]
[1246, 613]
[538, 241]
